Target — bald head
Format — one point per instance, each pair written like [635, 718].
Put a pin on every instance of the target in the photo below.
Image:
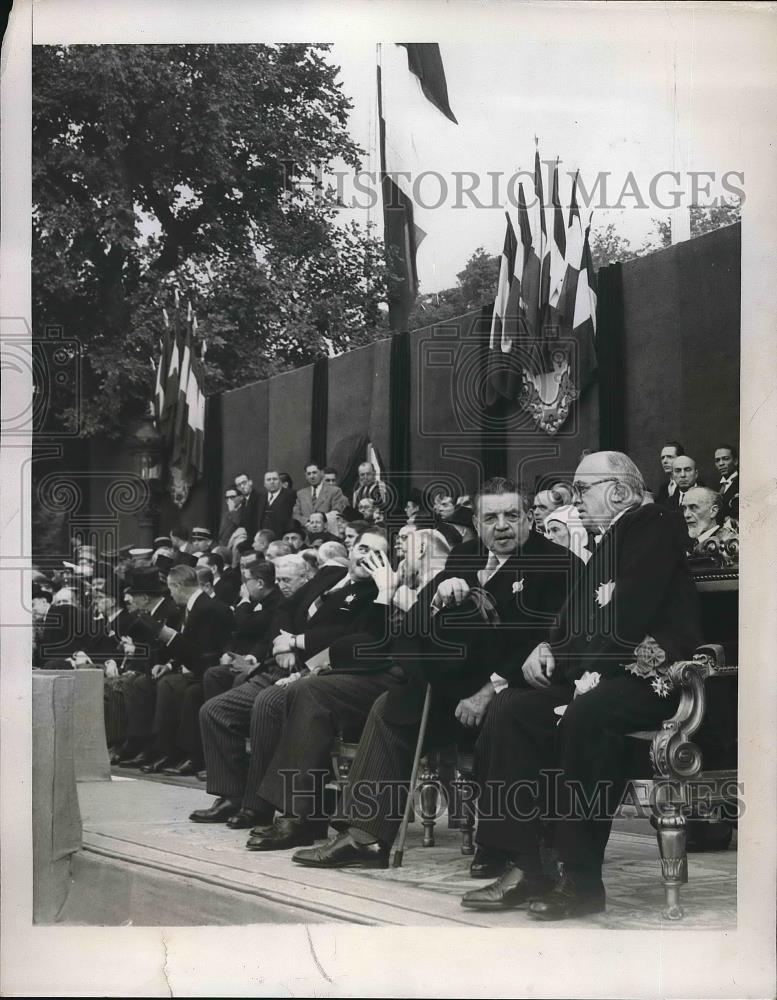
[684, 472]
[606, 483]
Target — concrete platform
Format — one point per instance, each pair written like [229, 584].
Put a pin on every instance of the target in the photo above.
[145, 863]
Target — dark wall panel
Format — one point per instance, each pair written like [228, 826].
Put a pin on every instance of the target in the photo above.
[289, 422]
[245, 419]
[380, 397]
[682, 315]
[350, 396]
[445, 404]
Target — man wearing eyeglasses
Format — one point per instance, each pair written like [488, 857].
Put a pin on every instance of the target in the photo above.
[633, 612]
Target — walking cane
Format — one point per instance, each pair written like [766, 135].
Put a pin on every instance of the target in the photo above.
[401, 837]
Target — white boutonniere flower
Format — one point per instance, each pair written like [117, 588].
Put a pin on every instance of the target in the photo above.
[604, 593]
[349, 598]
[518, 586]
[258, 607]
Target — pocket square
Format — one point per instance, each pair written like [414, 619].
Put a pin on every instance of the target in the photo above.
[604, 593]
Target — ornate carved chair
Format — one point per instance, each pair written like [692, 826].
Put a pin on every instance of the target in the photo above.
[669, 798]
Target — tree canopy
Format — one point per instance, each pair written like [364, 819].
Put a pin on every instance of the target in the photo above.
[194, 166]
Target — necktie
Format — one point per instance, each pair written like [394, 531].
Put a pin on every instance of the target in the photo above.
[485, 574]
[322, 597]
[315, 494]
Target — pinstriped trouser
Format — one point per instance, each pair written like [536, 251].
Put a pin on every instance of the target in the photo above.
[317, 709]
[225, 722]
[384, 762]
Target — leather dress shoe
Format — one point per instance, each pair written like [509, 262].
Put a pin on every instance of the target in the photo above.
[487, 863]
[182, 770]
[137, 761]
[568, 900]
[155, 766]
[202, 775]
[284, 833]
[115, 758]
[513, 889]
[342, 851]
[244, 819]
[221, 811]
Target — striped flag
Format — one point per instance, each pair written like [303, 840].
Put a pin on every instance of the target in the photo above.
[584, 317]
[186, 458]
[507, 278]
[558, 245]
[543, 246]
[162, 370]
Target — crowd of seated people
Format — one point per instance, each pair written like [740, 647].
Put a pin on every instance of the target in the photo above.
[307, 615]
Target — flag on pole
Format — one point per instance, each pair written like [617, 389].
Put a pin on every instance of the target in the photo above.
[546, 304]
[183, 412]
[507, 278]
[413, 106]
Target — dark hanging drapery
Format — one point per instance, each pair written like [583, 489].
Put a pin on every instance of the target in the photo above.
[399, 380]
[319, 411]
[611, 360]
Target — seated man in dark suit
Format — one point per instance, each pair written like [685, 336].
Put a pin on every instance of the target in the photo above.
[500, 595]
[254, 614]
[336, 602]
[197, 645]
[633, 611]
[302, 720]
[148, 600]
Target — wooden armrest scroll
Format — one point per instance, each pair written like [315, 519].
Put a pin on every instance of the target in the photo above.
[673, 754]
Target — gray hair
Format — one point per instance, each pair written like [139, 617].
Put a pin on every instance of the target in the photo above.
[626, 471]
[293, 562]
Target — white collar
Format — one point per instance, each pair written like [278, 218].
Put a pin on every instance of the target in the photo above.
[158, 604]
[728, 480]
[707, 534]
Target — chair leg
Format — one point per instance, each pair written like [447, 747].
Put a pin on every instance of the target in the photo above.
[465, 787]
[670, 832]
[428, 795]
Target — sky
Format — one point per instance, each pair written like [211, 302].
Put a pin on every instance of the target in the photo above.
[640, 92]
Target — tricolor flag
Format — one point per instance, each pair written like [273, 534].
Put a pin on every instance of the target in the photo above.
[507, 278]
[413, 109]
[584, 317]
[546, 303]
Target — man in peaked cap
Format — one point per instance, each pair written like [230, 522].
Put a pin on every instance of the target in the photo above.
[201, 540]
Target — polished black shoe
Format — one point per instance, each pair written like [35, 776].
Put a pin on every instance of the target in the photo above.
[512, 890]
[155, 766]
[568, 900]
[221, 811]
[487, 863]
[137, 761]
[245, 819]
[115, 758]
[185, 769]
[284, 833]
[342, 851]
[202, 775]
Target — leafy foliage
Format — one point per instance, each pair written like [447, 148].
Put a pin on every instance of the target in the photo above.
[476, 286]
[194, 166]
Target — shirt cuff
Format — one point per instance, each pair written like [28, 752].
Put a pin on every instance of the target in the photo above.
[299, 641]
[499, 682]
